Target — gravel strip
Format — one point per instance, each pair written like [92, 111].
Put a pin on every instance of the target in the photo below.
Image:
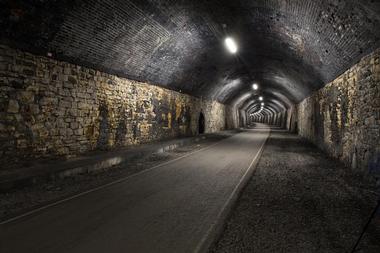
[298, 200]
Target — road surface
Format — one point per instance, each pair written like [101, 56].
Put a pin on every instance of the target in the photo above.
[174, 207]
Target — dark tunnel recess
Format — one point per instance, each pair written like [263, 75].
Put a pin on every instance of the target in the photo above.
[201, 123]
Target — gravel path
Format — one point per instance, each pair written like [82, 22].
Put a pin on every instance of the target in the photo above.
[298, 200]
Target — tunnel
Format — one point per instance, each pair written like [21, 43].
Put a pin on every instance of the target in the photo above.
[190, 126]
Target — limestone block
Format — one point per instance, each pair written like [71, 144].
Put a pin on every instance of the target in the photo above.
[74, 125]
[13, 106]
[79, 131]
[26, 97]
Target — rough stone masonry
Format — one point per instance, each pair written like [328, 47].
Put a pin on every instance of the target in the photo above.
[53, 108]
[343, 118]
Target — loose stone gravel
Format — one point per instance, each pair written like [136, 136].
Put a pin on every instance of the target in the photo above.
[298, 200]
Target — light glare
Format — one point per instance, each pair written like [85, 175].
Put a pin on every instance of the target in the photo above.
[255, 86]
[231, 45]
[261, 98]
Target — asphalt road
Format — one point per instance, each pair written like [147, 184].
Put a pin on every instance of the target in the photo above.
[174, 207]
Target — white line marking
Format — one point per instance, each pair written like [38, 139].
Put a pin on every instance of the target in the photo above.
[234, 194]
[104, 186]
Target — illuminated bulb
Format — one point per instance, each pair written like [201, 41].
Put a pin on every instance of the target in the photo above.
[231, 45]
[261, 98]
[255, 86]
[262, 104]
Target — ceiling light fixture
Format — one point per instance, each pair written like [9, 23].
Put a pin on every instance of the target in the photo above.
[255, 86]
[261, 98]
[231, 45]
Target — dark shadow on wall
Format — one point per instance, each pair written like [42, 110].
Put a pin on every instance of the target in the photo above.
[121, 130]
[104, 127]
[201, 123]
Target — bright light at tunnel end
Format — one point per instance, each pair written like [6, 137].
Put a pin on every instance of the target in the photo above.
[231, 45]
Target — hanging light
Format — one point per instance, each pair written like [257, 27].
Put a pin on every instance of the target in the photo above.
[231, 45]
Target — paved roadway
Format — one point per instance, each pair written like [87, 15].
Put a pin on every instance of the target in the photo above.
[175, 207]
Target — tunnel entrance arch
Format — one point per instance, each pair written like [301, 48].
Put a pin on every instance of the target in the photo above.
[201, 123]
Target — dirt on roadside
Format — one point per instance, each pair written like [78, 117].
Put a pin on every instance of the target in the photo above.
[299, 200]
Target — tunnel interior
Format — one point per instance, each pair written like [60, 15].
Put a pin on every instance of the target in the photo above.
[286, 51]
[153, 125]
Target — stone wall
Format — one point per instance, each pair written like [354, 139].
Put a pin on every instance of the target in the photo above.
[231, 121]
[50, 108]
[291, 119]
[343, 118]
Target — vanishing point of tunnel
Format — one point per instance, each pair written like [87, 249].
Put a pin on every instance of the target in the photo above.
[190, 126]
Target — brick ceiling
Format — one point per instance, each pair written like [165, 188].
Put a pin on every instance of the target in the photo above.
[289, 47]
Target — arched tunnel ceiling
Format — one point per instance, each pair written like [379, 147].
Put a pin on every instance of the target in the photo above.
[289, 47]
[255, 110]
[270, 106]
